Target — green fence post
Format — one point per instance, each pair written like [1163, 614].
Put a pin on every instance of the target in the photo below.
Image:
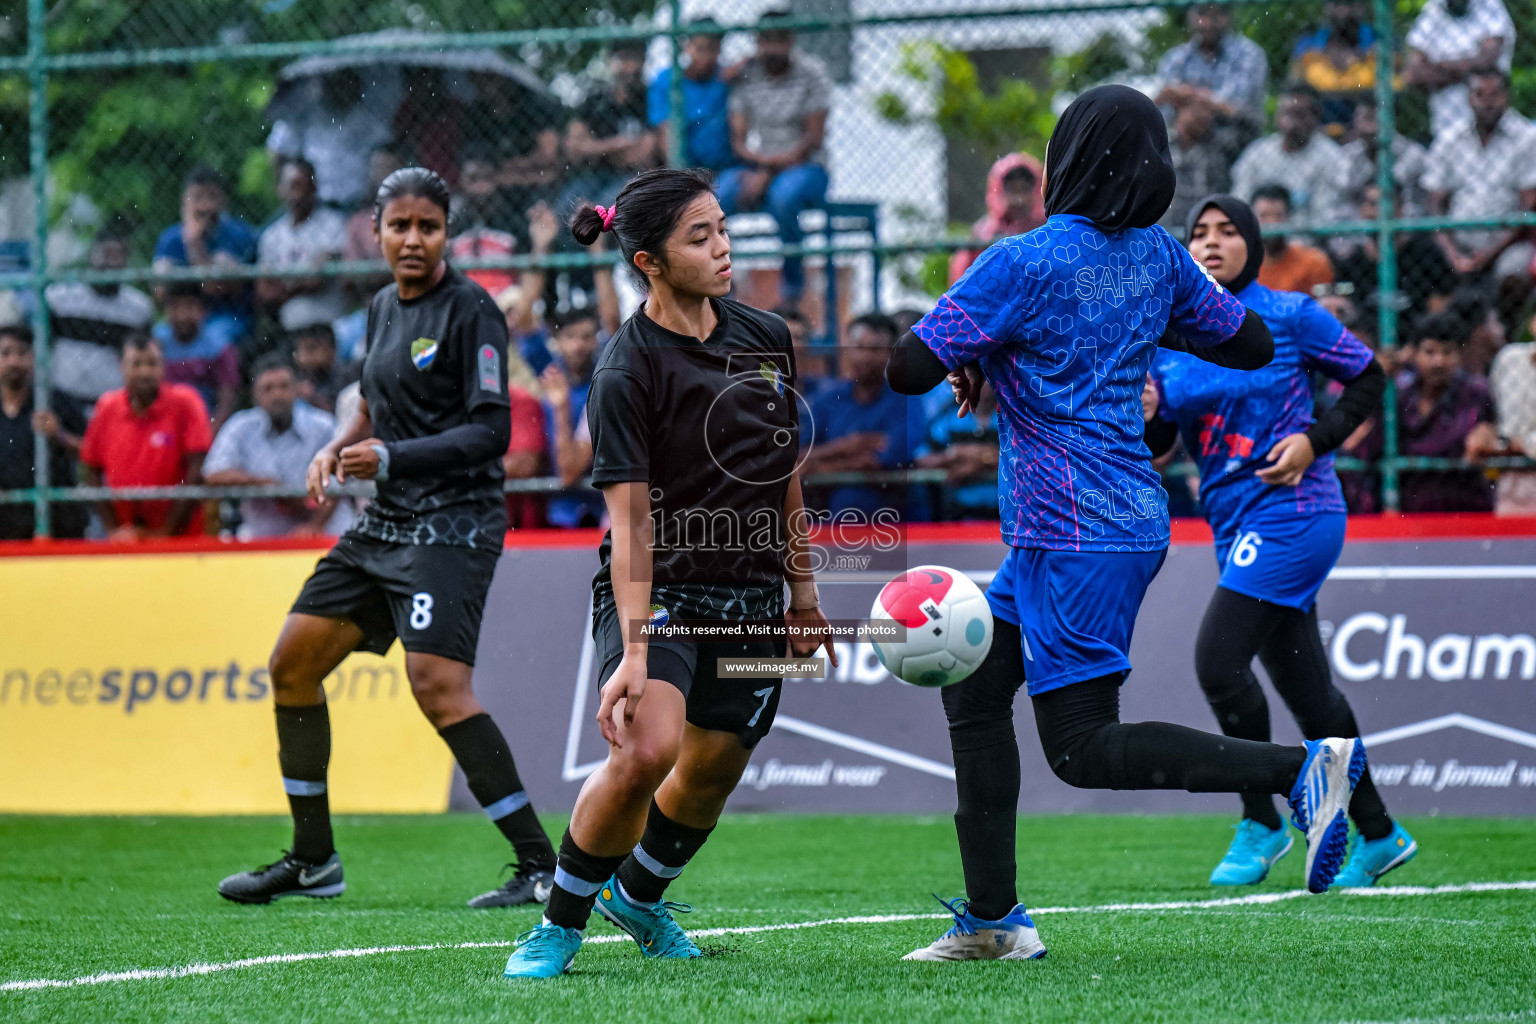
[1386, 269]
[37, 75]
[677, 122]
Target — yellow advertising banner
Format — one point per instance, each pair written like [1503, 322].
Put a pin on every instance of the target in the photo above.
[137, 684]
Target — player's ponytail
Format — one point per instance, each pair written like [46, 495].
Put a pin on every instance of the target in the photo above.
[587, 224]
[645, 213]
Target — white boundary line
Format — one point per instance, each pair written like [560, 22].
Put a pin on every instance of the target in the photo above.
[1433, 572]
[1257, 899]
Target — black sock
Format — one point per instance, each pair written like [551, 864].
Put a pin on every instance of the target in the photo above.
[483, 753]
[1298, 665]
[1088, 746]
[663, 851]
[986, 755]
[578, 877]
[1235, 628]
[303, 752]
[986, 824]
[1245, 714]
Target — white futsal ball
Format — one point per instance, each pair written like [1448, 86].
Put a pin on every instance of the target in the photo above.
[949, 625]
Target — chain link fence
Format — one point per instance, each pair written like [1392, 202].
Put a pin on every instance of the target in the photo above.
[205, 166]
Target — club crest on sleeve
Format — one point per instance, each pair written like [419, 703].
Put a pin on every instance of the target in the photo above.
[423, 351]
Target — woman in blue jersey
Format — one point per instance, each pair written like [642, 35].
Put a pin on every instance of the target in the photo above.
[1064, 323]
[1274, 503]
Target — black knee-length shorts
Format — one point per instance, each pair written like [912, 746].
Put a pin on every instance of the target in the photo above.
[431, 596]
[744, 706]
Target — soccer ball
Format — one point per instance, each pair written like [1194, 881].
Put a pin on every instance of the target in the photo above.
[949, 626]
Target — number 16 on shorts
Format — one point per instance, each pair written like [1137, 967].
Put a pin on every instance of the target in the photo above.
[1245, 550]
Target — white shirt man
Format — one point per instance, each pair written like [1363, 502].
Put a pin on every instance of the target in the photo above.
[89, 325]
[273, 444]
[306, 236]
[1485, 180]
[1444, 38]
[1513, 383]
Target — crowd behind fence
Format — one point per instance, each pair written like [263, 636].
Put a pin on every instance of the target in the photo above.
[186, 244]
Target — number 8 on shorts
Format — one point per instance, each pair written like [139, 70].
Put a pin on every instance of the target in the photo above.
[421, 611]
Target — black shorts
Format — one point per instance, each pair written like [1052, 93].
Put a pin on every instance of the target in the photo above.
[743, 706]
[432, 596]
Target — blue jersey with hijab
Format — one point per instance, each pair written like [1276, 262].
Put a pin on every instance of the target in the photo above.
[1230, 419]
[1065, 321]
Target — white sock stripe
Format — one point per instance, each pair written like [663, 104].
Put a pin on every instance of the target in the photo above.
[625, 893]
[655, 866]
[303, 787]
[506, 805]
[1256, 899]
[578, 886]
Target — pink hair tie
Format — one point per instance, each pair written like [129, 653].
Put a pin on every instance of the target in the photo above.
[607, 213]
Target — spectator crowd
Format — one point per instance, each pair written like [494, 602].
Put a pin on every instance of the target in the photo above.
[238, 381]
[1463, 394]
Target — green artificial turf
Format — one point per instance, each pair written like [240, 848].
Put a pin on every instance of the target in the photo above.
[86, 895]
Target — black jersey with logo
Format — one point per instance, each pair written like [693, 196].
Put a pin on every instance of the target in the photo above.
[432, 361]
[714, 428]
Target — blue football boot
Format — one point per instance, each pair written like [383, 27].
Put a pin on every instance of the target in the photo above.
[1320, 802]
[1369, 859]
[1254, 850]
[543, 952]
[649, 924]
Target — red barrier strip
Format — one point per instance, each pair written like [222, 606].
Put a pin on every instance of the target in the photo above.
[1185, 531]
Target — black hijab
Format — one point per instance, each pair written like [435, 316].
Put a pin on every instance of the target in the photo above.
[1242, 218]
[1108, 160]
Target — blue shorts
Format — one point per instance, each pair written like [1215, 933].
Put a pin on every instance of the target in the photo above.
[1281, 556]
[1075, 610]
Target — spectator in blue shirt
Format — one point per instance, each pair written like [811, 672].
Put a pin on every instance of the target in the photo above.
[574, 342]
[861, 425]
[813, 362]
[966, 448]
[209, 237]
[707, 138]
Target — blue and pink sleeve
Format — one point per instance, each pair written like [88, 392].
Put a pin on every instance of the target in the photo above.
[1204, 313]
[1330, 347]
[978, 313]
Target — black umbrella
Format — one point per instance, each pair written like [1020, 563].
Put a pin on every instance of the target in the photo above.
[379, 59]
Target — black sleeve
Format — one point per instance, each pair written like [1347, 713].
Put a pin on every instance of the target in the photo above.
[485, 437]
[1361, 398]
[480, 346]
[913, 369]
[618, 406]
[1251, 348]
[1160, 436]
[787, 344]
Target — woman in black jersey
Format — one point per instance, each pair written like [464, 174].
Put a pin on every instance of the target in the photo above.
[431, 429]
[695, 436]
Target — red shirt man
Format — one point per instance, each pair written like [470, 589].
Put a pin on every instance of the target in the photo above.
[525, 457]
[147, 434]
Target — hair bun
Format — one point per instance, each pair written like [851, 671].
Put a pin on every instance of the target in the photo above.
[587, 224]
